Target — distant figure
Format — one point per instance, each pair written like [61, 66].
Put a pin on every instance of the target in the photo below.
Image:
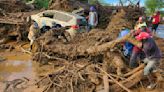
[33, 33]
[155, 21]
[92, 18]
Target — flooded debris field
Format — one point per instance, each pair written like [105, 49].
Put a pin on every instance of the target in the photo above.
[57, 63]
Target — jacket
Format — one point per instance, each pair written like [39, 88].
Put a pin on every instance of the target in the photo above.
[150, 49]
[156, 19]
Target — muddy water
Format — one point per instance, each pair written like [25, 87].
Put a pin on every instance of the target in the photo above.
[17, 65]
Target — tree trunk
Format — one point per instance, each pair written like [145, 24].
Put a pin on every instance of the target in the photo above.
[111, 44]
[130, 81]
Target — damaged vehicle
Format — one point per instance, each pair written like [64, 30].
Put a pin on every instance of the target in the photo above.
[56, 19]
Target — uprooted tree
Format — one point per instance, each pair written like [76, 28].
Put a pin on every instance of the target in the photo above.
[86, 64]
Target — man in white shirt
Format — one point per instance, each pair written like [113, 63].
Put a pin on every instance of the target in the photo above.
[93, 18]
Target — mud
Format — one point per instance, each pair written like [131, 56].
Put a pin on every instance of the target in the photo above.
[13, 6]
[67, 66]
[74, 52]
[15, 66]
[70, 5]
[123, 19]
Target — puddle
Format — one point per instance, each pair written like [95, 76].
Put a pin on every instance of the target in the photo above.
[17, 66]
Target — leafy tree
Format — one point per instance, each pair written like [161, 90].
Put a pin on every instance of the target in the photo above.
[92, 1]
[153, 5]
[42, 3]
[102, 2]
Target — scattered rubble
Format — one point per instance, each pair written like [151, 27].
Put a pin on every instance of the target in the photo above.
[84, 64]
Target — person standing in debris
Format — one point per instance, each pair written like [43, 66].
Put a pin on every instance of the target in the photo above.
[127, 47]
[92, 18]
[141, 26]
[137, 52]
[140, 23]
[33, 33]
[152, 53]
[155, 21]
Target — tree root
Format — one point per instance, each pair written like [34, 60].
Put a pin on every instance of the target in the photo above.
[121, 85]
[134, 70]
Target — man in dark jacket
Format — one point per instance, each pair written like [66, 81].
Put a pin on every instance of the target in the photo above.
[152, 54]
[137, 52]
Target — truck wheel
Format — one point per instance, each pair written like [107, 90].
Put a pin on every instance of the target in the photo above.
[45, 29]
[58, 26]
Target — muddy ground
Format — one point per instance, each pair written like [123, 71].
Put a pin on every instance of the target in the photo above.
[74, 66]
[19, 65]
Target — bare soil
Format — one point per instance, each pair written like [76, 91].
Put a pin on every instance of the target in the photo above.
[67, 66]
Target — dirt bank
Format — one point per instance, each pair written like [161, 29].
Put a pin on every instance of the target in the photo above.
[88, 63]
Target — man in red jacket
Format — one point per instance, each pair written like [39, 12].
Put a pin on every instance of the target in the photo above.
[155, 21]
[137, 52]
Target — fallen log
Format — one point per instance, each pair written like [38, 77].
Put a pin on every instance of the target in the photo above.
[134, 70]
[117, 83]
[129, 82]
[111, 44]
[10, 21]
[105, 77]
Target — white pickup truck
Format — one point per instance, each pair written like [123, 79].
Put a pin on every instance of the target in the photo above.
[50, 18]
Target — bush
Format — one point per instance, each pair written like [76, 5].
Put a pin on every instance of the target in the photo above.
[42, 3]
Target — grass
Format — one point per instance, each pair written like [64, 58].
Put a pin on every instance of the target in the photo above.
[40, 3]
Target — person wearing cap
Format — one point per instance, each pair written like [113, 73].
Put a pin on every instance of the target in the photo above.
[137, 52]
[155, 21]
[92, 18]
[141, 26]
[33, 33]
[140, 23]
[152, 54]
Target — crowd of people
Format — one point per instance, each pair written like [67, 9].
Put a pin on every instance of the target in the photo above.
[147, 52]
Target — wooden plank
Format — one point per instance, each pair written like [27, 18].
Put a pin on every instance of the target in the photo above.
[10, 21]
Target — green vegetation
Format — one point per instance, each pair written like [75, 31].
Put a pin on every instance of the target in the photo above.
[93, 2]
[153, 5]
[40, 3]
[45, 3]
